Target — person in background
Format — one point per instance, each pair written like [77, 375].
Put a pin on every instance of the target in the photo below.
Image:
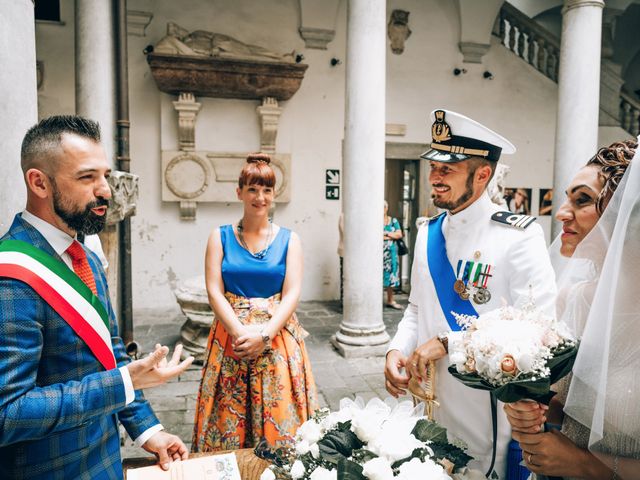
[390, 258]
[257, 384]
[65, 379]
[597, 262]
[520, 202]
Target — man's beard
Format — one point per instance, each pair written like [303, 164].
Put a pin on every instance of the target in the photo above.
[82, 221]
[461, 200]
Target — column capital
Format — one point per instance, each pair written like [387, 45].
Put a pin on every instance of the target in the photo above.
[571, 4]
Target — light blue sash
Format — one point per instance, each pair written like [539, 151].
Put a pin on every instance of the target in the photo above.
[443, 275]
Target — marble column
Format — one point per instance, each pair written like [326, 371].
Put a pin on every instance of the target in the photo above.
[95, 96]
[19, 105]
[578, 93]
[362, 331]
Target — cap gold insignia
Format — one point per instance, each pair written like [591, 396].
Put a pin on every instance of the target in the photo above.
[440, 130]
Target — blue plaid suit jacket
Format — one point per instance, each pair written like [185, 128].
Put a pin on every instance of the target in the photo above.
[59, 408]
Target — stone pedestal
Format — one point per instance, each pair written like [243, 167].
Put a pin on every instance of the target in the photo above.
[362, 332]
[578, 93]
[19, 103]
[194, 302]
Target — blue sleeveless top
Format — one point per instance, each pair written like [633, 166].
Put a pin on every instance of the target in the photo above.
[248, 276]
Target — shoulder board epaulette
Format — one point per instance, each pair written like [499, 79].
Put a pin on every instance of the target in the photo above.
[435, 217]
[514, 219]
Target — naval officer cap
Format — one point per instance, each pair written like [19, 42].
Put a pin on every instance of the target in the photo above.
[456, 138]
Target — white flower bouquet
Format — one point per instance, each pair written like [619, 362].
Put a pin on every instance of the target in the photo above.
[514, 353]
[382, 440]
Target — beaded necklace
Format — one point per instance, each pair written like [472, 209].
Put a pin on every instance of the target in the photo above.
[261, 253]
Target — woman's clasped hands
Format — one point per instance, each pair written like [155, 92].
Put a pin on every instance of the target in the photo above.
[249, 343]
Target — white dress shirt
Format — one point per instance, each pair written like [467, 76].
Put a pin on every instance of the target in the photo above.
[60, 241]
[520, 267]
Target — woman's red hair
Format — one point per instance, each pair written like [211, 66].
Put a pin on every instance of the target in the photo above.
[257, 171]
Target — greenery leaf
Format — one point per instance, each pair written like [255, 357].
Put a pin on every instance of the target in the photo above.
[336, 445]
[348, 470]
[429, 431]
[454, 454]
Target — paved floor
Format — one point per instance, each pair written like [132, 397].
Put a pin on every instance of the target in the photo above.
[336, 377]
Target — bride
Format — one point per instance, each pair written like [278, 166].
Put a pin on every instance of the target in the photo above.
[597, 261]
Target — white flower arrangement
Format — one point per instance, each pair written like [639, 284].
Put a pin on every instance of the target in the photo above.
[379, 440]
[508, 344]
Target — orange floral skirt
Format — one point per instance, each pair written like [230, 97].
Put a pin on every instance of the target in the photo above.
[240, 402]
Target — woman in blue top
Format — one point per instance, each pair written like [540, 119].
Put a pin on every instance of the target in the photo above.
[257, 382]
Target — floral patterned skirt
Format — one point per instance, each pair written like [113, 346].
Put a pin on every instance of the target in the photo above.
[241, 402]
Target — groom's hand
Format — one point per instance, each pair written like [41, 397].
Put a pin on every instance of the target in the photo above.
[154, 370]
[396, 382]
[419, 359]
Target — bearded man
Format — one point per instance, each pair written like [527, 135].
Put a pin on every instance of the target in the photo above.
[65, 379]
[468, 260]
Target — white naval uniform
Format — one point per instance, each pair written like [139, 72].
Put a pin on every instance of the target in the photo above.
[518, 259]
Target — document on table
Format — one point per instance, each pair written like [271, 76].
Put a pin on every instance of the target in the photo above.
[213, 467]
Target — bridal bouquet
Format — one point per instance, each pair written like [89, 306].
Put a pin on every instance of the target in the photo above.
[515, 353]
[382, 440]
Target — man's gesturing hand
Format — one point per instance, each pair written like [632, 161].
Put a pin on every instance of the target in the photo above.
[154, 370]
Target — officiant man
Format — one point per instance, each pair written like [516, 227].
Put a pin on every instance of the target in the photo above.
[65, 379]
[468, 260]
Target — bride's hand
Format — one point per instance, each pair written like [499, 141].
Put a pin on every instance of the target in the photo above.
[526, 416]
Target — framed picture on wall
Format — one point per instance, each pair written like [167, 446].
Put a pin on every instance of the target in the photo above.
[518, 200]
[546, 201]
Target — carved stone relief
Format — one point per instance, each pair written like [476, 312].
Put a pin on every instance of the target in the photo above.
[269, 114]
[124, 196]
[187, 109]
[398, 30]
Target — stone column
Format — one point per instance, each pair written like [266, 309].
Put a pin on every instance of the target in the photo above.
[19, 105]
[362, 332]
[95, 96]
[578, 93]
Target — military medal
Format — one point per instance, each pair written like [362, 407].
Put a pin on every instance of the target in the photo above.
[459, 287]
[481, 296]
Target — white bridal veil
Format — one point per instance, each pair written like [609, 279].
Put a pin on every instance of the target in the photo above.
[599, 296]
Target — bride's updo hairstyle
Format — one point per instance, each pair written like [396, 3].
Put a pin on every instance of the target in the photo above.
[612, 162]
[257, 171]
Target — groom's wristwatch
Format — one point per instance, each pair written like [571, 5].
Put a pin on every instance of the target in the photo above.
[266, 339]
[443, 338]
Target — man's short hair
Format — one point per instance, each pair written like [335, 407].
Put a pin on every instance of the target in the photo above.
[477, 162]
[41, 146]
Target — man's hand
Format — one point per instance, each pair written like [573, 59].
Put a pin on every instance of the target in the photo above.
[166, 447]
[526, 416]
[417, 363]
[154, 370]
[396, 383]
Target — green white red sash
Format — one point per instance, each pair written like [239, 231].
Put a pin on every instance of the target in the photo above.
[63, 290]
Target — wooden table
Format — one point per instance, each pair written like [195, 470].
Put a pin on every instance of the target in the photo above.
[251, 467]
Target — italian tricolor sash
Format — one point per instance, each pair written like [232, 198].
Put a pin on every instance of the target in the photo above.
[63, 290]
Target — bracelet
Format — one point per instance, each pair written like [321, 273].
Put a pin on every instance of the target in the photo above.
[615, 468]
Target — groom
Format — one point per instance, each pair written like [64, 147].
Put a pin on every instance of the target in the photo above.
[65, 380]
[468, 260]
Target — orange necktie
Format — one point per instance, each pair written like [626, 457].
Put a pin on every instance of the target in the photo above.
[81, 265]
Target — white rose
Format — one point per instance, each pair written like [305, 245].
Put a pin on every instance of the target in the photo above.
[302, 447]
[297, 470]
[315, 450]
[416, 469]
[457, 358]
[524, 362]
[378, 469]
[268, 475]
[322, 473]
[309, 431]
[332, 420]
[388, 446]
